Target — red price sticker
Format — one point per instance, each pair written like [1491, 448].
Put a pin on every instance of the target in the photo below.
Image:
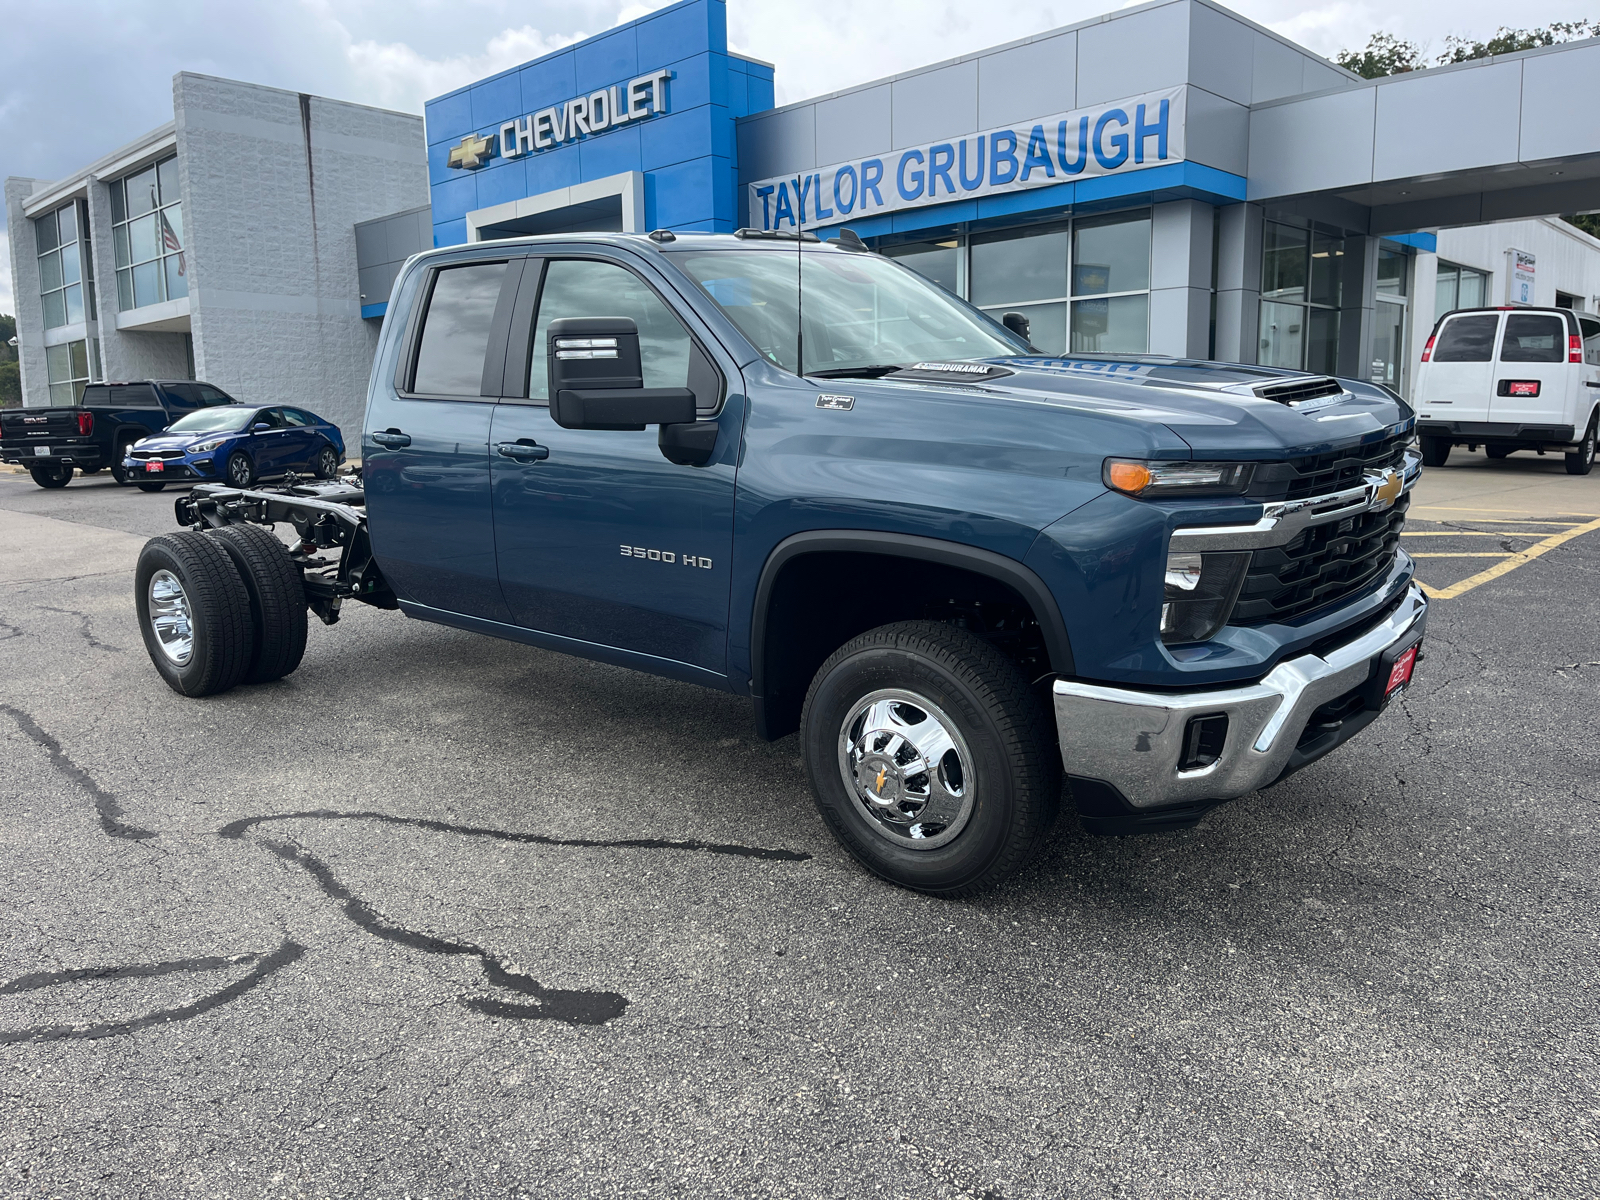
[155, 466]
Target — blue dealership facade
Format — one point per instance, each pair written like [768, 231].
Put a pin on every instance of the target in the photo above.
[1169, 178]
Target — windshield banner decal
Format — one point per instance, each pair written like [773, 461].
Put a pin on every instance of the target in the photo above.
[1105, 139]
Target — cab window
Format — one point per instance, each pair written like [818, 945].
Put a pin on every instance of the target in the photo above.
[587, 288]
[210, 395]
[1468, 338]
[1534, 338]
[455, 330]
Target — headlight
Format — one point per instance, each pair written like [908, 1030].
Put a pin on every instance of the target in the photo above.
[1135, 477]
[206, 447]
[1199, 594]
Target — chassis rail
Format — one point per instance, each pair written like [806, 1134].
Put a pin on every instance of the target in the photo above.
[328, 515]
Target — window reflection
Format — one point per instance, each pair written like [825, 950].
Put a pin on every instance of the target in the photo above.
[147, 236]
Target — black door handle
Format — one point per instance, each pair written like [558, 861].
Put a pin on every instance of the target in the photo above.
[524, 450]
[392, 439]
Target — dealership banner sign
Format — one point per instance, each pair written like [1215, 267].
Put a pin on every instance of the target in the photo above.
[1106, 139]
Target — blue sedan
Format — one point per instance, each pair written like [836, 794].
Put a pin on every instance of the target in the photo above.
[237, 444]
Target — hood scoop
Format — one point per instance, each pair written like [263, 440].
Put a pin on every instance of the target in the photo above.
[1295, 392]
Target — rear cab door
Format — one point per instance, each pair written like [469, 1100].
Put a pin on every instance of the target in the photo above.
[425, 449]
[1458, 380]
[1533, 379]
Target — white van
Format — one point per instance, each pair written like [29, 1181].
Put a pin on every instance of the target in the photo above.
[1510, 379]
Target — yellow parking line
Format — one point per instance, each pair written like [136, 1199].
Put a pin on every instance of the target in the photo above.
[1496, 521]
[1509, 564]
[1463, 533]
[1448, 508]
[1485, 554]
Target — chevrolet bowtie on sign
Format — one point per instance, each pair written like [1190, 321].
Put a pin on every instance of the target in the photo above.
[472, 153]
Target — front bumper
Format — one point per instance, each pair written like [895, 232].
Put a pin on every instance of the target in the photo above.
[173, 470]
[1123, 749]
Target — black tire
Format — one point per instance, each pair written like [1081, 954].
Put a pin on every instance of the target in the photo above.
[150, 487]
[1435, 451]
[326, 464]
[1497, 451]
[277, 599]
[1014, 773]
[51, 475]
[222, 641]
[241, 471]
[1581, 461]
[87, 471]
[118, 471]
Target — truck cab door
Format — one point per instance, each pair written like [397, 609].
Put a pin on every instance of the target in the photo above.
[600, 539]
[1532, 376]
[425, 448]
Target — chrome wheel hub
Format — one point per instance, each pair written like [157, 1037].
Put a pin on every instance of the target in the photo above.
[170, 619]
[908, 767]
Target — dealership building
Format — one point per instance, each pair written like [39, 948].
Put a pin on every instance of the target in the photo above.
[1169, 178]
[221, 246]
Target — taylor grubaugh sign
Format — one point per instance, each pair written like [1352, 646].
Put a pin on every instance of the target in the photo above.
[1106, 139]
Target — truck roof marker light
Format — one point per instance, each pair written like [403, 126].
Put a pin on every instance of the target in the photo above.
[1427, 351]
[1574, 348]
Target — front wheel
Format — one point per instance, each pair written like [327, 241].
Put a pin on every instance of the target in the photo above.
[241, 471]
[326, 463]
[1435, 451]
[1581, 461]
[930, 757]
[151, 487]
[51, 475]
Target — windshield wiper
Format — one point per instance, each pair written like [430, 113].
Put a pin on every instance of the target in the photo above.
[871, 372]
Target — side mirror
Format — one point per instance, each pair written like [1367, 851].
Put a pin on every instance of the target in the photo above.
[597, 378]
[260, 427]
[1017, 323]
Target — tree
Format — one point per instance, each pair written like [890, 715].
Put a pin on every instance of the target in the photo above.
[10, 384]
[1588, 222]
[1385, 55]
[1509, 41]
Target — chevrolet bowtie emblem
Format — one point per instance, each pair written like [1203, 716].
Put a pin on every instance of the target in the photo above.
[472, 153]
[1390, 487]
[883, 773]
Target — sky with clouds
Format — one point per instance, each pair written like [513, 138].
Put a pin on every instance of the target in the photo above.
[80, 77]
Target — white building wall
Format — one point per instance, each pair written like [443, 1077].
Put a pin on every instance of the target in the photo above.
[273, 185]
[25, 290]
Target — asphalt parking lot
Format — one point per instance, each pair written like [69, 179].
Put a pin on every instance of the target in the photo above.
[439, 916]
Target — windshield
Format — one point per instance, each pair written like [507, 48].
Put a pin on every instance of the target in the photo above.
[860, 310]
[212, 420]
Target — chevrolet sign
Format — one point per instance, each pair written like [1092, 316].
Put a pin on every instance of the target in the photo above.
[581, 116]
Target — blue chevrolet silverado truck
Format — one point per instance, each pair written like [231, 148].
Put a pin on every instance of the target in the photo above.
[797, 471]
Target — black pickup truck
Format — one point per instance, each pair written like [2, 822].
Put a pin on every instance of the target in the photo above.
[51, 442]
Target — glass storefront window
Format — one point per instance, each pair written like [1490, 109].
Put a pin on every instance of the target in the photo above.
[1392, 271]
[67, 367]
[938, 261]
[1082, 285]
[61, 237]
[1458, 287]
[147, 235]
[1302, 286]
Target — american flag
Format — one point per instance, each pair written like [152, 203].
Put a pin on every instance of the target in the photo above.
[169, 239]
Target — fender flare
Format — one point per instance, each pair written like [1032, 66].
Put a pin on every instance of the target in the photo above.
[1005, 570]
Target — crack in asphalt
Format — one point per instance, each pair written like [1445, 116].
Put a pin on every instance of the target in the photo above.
[265, 966]
[236, 829]
[105, 804]
[549, 1004]
[85, 629]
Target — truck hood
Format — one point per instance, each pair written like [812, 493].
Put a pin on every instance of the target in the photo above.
[1217, 409]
